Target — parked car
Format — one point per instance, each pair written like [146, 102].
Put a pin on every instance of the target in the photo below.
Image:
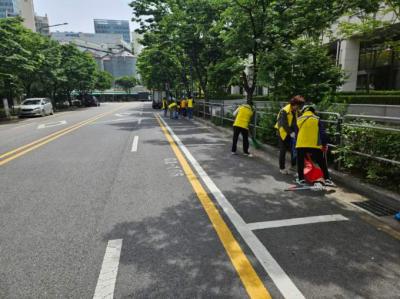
[36, 106]
[91, 101]
[76, 103]
[62, 105]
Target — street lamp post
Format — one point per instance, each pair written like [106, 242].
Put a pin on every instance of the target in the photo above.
[49, 26]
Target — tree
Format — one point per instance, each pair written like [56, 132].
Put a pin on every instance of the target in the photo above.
[303, 68]
[251, 28]
[79, 70]
[15, 59]
[39, 66]
[126, 83]
[185, 32]
[104, 80]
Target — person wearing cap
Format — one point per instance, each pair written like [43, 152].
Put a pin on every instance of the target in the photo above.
[243, 115]
[286, 128]
[311, 141]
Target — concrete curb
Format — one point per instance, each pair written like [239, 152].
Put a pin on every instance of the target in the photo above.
[343, 179]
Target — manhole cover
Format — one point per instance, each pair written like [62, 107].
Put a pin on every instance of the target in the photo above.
[377, 208]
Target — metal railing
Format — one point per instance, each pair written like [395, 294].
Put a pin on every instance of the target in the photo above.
[221, 113]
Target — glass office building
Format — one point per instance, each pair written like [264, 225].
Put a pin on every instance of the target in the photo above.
[8, 8]
[113, 26]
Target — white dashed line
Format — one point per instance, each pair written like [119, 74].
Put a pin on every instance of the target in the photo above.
[295, 221]
[135, 144]
[109, 270]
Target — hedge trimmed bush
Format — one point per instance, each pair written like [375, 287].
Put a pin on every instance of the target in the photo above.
[369, 99]
[371, 92]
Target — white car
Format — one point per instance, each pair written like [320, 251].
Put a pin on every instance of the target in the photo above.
[36, 106]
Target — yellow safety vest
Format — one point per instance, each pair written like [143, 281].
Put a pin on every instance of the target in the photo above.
[172, 105]
[183, 104]
[244, 116]
[282, 131]
[308, 135]
[164, 104]
[190, 103]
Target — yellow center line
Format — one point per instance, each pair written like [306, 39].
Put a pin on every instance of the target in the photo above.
[250, 279]
[20, 151]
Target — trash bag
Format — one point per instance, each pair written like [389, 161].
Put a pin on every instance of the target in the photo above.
[312, 173]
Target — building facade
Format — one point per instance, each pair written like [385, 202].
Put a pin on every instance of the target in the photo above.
[110, 51]
[22, 8]
[8, 8]
[27, 12]
[113, 26]
[137, 47]
[42, 25]
[370, 62]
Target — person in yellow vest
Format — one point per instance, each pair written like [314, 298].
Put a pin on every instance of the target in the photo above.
[165, 106]
[190, 107]
[172, 107]
[183, 107]
[311, 141]
[243, 115]
[286, 128]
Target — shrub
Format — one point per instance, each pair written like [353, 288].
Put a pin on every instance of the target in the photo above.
[374, 142]
[267, 120]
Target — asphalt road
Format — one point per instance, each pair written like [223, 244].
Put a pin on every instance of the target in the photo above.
[114, 201]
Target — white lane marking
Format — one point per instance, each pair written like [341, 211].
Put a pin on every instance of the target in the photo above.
[296, 221]
[53, 124]
[285, 285]
[135, 144]
[140, 121]
[123, 114]
[109, 270]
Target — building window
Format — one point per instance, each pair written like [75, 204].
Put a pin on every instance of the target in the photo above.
[379, 66]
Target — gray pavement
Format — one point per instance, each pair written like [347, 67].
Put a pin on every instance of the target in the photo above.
[61, 203]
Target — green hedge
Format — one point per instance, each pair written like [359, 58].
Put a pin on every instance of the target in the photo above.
[369, 99]
[371, 92]
[373, 142]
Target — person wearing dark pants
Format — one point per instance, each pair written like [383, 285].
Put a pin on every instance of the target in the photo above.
[286, 127]
[189, 108]
[245, 135]
[284, 146]
[312, 140]
[243, 115]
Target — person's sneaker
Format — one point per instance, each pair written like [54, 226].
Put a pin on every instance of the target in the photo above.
[284, 171]
[248, 155]
[329, 182]
[234, 153]
[300, 182]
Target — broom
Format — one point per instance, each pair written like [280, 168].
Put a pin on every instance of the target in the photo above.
[254, 141]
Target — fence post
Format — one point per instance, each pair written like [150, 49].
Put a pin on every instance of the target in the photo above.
[222, 112]
[204, 109]
[339, 137]
[255, 121]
